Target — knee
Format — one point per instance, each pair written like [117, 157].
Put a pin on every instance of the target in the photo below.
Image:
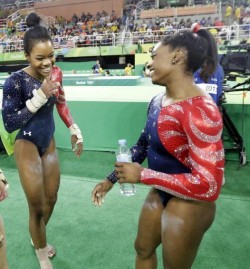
[143, 251]
[51, 199]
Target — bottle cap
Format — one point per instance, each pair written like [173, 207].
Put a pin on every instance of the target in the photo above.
[122, 141]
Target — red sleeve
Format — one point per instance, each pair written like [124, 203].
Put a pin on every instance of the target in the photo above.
[191, 133]
[61, 105]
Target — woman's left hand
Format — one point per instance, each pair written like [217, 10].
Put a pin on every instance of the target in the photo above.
[128, 172]
[76, 147]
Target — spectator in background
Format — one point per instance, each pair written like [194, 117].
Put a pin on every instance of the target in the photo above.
[128, 69]
[97, 69]
[228, 14]
[107, 73]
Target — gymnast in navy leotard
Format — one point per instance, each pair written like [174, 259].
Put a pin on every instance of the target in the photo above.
[29, 97]
[37, 128]
[182, 143]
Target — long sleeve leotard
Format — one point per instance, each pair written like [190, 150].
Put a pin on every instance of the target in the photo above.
[37, 128]
[182, 143]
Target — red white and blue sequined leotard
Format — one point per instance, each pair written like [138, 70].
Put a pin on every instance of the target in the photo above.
[37, 128]
[182, 143]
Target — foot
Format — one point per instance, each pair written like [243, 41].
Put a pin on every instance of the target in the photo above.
[50, 250]
[42, 256]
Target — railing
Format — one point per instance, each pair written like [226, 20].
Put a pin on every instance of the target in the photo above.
[234, 34]
[180, 11]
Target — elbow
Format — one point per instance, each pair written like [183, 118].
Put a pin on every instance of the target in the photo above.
[9, 128]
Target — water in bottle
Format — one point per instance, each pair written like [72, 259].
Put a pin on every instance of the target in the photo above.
[123, 154]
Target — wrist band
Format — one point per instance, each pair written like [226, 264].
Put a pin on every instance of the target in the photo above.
[75, 130]
[37, 101]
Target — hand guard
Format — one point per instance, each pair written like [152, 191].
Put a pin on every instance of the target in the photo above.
[37, 101]
[74, 130]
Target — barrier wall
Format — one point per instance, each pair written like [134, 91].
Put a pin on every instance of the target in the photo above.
[108, 113]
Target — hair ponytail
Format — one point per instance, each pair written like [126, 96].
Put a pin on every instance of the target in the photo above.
[211, 62]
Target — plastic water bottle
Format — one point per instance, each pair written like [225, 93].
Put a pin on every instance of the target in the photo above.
[123, 154]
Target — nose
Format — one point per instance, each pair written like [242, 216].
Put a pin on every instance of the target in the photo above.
[47, 61]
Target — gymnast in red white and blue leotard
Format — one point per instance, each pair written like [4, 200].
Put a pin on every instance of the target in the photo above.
[182, 143]
[29, 96]
[183, 148]
[37, 128]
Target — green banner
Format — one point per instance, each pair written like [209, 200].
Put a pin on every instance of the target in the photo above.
[101, 51]
[12, 56]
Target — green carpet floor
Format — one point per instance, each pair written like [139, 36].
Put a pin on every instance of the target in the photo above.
[87, 237]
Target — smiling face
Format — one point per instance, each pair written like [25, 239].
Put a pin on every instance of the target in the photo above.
[41, 59]
[161, 64]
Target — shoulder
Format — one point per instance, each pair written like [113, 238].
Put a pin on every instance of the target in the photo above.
[155, 101]
[201, 112]
[15, 77]
[56, 69]
[56, 73]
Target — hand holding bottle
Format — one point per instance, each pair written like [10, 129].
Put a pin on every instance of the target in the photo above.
[124, 156]
[128, 172]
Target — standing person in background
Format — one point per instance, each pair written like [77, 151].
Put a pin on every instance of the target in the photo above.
[128, 69]
[3, 195]
[183, 125]
[228, 14]
[97, 69]
[29, 96]
[211, 75]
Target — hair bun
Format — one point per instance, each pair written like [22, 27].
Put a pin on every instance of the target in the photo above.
[33, 20]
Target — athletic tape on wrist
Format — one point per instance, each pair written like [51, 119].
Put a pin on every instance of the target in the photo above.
[75, 130]
[37, 101]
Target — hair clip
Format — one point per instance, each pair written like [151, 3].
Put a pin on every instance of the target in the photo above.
[195, 27]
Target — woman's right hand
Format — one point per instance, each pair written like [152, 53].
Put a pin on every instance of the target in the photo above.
[49, 87]
[100, 191]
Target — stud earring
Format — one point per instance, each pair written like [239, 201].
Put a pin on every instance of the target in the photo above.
[173, 62]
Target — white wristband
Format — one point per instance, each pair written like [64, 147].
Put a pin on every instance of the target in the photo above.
[74, 130]
[37, 101]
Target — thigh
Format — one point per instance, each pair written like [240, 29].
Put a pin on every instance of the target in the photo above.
[149, 228]
[30, 170]
[183, 226]
[51, 170]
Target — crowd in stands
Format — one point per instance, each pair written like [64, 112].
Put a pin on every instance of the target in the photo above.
[102, 29]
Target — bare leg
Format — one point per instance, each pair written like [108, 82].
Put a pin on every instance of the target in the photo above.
[183, 226]
[30, 170]
[51, 180]
[149, 232]
[3, 254]
[40, 181]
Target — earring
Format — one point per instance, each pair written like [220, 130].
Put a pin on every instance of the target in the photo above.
[173, 62]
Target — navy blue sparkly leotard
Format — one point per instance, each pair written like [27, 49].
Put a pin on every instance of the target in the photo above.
[37, 128]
